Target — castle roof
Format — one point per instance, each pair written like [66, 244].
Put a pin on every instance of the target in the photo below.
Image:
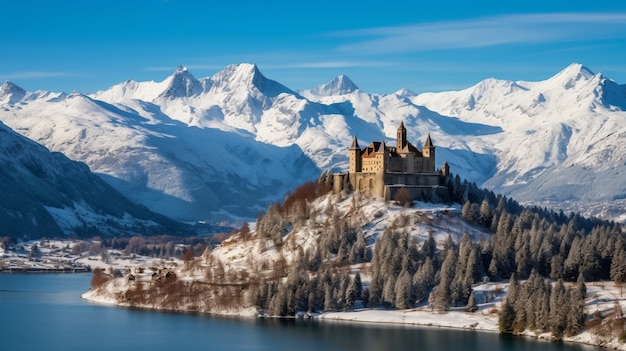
[381, 147]
[355, 144]
[376, 147]
[409, 148]
[429, 142]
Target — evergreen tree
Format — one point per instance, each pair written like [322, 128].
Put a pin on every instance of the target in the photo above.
[576, 302]
[506, 318]
[618, 268]
[441, 294]
[558, 310]
[485, 213]
[389, 292]
[403, 290]
[471, 303]
[429, 247]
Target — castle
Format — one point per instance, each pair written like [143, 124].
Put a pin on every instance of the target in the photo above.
[383, 170]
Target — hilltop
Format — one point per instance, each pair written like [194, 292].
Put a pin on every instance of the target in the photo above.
[353, 256]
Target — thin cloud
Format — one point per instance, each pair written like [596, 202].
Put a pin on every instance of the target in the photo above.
[35, 75]
[489, 31]
[330, 64]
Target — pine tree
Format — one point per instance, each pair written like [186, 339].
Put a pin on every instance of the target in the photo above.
[485, 212]
[466, 212]
[618, 268]
[389, 292]
[576, 302]
[506, 318]
[471, 303]
[403, 291]
[357, 285]
[429, 247]
[558, 310]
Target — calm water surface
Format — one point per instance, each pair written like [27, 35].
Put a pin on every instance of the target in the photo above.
[45, 312]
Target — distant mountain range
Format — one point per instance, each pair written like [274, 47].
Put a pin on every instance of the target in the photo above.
[46, 194]
[227, 145]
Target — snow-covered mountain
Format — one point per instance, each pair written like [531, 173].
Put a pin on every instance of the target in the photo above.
[340, 85]
[562, 139]
[198, 148]
[46, 194]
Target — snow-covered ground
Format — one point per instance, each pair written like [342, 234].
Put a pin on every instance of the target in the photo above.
[69, 256]
[440, 220]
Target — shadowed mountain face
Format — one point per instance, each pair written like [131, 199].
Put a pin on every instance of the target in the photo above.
[46, 194]
[230, 144]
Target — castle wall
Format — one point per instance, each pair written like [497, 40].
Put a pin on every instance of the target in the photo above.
[432, 193]
[368, 182]
[425, 179]
[338, 182]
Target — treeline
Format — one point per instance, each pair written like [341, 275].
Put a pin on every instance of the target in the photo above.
[557, 245]
[540, 305]
[327, 289]
[160, 246]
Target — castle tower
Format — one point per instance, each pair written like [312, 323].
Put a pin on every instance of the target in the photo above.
[381, 155]
[429, 152]
[401, 138]
[355, 156]
[445, 170]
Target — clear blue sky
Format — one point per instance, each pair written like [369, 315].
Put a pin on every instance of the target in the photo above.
[381, 45]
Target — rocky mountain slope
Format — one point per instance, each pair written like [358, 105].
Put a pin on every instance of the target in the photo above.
[46, 194]
[229, 144]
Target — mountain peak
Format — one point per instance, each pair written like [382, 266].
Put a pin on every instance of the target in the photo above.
[247, 76]
[339, 85]
[572, 74]
[182, 84]
[578, 68]
[11, 93]
[246, 72]
[404, 92]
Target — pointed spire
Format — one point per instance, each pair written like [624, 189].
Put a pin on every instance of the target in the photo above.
[401, 137]
[355, 144]
[429, 142]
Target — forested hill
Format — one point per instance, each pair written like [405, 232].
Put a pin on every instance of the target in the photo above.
[320, 252]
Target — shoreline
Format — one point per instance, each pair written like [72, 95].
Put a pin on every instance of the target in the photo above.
[381, 317]
[45, 270]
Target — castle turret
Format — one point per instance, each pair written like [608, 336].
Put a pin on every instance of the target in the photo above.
[429, 149]
[355, 156]
[429, 152]
[401, 139]
[445, 170]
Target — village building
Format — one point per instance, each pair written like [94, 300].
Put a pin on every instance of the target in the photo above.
[383, 170]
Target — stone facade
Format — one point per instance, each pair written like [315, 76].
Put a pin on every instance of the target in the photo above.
[383, 170]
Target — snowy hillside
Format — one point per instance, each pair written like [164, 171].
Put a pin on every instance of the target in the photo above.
[183, 171]
[229, 144]
[46, 194]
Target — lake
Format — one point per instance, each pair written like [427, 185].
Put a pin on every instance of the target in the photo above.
[45, 312]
